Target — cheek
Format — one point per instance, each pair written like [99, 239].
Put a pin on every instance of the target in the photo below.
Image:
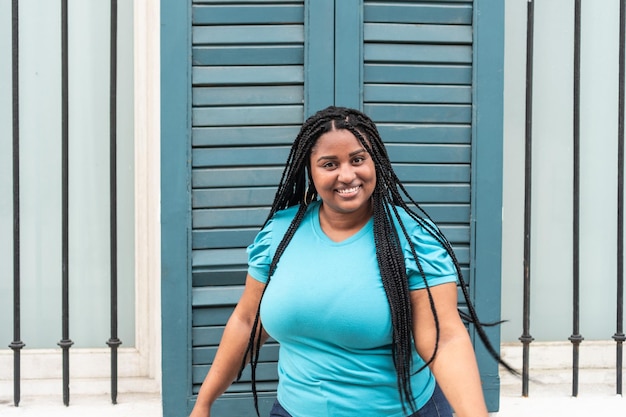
[372, 172]
[319, 178]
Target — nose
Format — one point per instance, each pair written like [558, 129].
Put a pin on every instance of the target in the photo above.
[346, 173]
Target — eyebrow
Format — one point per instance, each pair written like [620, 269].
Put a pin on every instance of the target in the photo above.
[334, 157]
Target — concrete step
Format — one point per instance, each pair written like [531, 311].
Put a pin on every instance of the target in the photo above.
[31, 388]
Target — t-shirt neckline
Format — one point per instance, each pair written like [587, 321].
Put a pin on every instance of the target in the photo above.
[317, 229]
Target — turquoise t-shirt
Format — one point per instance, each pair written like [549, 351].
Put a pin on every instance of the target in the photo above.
[327, 308]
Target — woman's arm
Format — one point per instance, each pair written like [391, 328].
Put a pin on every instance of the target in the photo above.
[454, 366]
[232, 347]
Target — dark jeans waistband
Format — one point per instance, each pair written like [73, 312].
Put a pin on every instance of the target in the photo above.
[437, 406]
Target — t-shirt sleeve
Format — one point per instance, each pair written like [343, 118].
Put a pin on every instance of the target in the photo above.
[259, 254]
[434, 259]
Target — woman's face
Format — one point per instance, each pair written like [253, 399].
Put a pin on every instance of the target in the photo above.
[343, 172]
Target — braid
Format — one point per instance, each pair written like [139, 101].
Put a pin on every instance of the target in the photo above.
[397, 199]
[393, 275]
[296, 188]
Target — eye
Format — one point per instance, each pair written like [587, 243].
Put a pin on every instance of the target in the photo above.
[358, 160]
[328, 165]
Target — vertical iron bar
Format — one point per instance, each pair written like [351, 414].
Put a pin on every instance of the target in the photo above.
[113, 342]
[576, 338]
[16, 344]
[526, 338]
[619, 336]
[65, 342]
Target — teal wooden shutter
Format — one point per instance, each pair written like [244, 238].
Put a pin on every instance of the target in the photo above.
[248, 104]
[175, 196]
[486, 204]
[247, 96]
[414, 78]
[417, 80]
[417, 88]
[258, 68]
[420, 85]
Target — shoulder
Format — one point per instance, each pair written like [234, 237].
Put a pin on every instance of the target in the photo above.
[422, 234]
[282, 219]
[428, 262]
[412, 224]
[285, 215]
[262, 249]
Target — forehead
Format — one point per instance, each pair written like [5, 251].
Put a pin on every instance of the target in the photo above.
[338, 140]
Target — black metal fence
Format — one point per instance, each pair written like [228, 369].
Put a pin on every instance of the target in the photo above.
[65, 343]
[114, 342]
[576, 338]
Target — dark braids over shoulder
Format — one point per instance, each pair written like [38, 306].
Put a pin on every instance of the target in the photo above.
[296, 188]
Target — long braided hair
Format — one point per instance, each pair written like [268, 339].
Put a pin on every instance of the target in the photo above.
[296, 189]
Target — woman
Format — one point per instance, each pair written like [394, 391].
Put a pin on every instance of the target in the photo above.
[359, 290]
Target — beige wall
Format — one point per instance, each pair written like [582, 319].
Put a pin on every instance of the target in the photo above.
[551, 255]
[138, 187]
[40, 173]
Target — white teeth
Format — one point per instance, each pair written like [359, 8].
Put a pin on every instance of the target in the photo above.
[348, 190]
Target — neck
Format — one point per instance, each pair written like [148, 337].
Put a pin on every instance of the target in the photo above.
[339, 226]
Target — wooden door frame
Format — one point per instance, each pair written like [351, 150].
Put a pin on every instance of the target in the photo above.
[176, 205]
[486, 184]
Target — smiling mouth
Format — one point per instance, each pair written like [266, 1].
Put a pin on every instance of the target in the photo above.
[349, 190]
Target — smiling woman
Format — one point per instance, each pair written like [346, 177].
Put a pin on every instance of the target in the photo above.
[369, 328]
[344, 176]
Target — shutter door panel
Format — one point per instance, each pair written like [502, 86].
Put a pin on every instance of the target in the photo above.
[225, 157]
[425, 133]
[435, 154]
[221, 257]
[266, 372]
[264, 3]
[215, 316]
[252, 95]
[233, 177]
[246, 14]
[266, 135]
[206, 355]
[248, 96]
[248, 75]
[252, 35]
[419, 113]
[418, 73]
[246, 115]
[247, 106]
[226, 295]
[417, 86]
[224, 238]
[426, 173]
[233, 197]
[282, 55]
[417, 93]
[418, 33]
[231, 217]
[450, 14]
[411, 53]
